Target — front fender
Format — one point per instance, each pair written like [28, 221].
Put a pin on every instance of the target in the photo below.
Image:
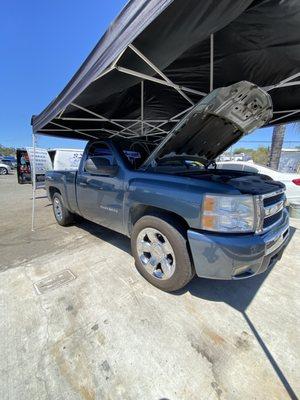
[170, 197]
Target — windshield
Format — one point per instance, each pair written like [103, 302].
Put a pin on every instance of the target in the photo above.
[177, 164]
[186, 162]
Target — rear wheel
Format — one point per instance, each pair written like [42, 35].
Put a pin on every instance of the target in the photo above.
[160, 251]
[62, 215]
[3, 171]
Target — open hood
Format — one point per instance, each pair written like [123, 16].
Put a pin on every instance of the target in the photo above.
[216, 122]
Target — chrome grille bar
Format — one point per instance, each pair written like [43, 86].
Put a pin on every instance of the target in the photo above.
[272, 194]
[265, 212]
[273, 209]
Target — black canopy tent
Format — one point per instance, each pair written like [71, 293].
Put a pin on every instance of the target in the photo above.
[160, 57]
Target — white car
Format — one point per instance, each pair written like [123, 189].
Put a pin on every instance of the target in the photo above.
[4, 169]
[291, 181]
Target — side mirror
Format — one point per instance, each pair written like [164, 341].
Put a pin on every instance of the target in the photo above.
[100, 166]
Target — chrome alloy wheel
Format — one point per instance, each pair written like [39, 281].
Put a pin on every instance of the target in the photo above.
[156, 253]
[3, 171]
[58, 209]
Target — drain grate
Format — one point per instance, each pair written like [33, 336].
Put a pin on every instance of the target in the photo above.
[54, 281]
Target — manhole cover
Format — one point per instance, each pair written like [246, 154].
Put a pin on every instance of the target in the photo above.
[54, 281]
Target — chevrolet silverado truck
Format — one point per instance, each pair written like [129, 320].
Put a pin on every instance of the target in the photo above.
[183, 215]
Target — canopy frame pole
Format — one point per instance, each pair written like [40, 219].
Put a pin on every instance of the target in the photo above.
[159, 81]
[72, 130]
[294, 83]
[154, 127]
[159, 72]
[164, 81]
[33, 178]
[101, 117]
[105, 72]
[119, 133]
[130, 126]
[211, 72]
[113, 65]
[51, 130]
[114, 120]
[284, 116]
[284, 111]
[151, 132]
[61, 113]
[147, 120]
[173, 119]
[284, 83]
[142, 108]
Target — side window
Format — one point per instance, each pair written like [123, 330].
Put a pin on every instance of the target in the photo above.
[103, 153]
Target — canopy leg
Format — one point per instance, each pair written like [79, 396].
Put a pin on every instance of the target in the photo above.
[33, 178]
[142, 108]
[211, 83]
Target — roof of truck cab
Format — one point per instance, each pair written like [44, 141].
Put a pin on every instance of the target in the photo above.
[160, 57]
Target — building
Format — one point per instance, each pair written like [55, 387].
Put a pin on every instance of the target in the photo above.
[290, 160]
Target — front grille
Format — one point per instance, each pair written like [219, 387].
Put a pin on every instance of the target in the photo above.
[273, 199]
[272, 220]
[273, 204]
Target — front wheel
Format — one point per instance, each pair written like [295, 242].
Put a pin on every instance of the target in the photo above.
[3, 171]
[160, 251]
[62, 215]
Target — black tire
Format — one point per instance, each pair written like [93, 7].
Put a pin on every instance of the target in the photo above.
[176, 236]
[3, 171]
[65, 217]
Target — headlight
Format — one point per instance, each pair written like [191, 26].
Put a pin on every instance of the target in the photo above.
[228, 213]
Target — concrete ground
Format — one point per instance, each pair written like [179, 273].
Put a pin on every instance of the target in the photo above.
[109, 334]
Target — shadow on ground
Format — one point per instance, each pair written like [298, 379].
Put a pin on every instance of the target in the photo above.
[105, 234]
[237, 294]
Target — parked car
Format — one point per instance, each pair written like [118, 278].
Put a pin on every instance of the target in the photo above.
[10, 161]
[4, 169]
[290, 180]
[182, 217]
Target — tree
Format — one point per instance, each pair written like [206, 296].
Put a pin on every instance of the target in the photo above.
[277, 142]
[261, 155]
[7, 151]
[240, 150]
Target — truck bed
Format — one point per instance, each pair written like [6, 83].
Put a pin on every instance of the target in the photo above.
[65, 182]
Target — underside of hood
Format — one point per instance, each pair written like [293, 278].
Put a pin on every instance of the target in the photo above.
[215, 123]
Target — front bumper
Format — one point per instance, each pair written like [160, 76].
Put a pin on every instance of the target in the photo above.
[224, 256]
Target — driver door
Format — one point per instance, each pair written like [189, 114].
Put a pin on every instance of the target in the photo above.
[100, 197]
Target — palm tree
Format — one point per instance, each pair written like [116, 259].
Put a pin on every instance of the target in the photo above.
[277, 142]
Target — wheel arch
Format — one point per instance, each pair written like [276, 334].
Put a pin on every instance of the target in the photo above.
[52, 191]
[140, 210]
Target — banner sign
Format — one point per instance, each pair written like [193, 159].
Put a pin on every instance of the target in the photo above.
[42, 164]
[42, 160]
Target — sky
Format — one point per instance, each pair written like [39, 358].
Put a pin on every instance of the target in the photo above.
[42, 44]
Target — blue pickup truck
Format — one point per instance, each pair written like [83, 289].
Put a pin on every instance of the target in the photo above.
[183, 215]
